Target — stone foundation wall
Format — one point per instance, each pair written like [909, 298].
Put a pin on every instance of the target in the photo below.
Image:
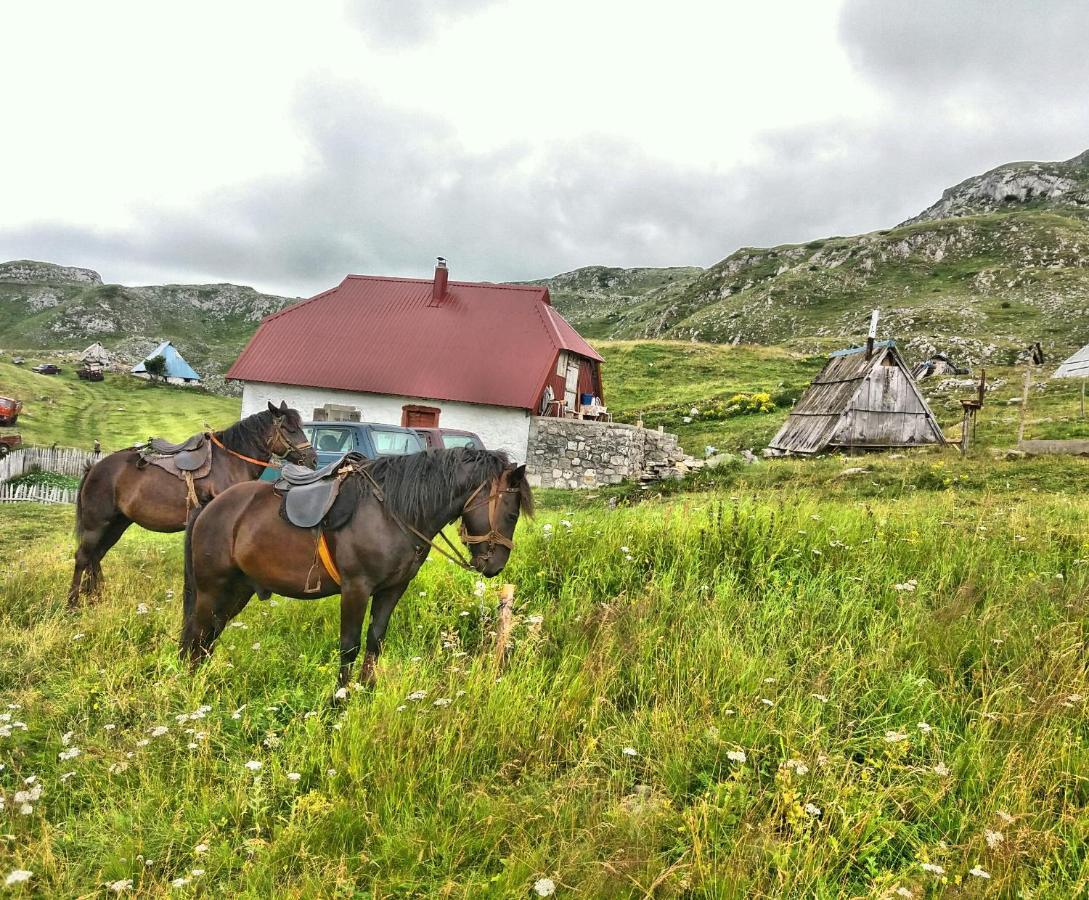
[572, 453]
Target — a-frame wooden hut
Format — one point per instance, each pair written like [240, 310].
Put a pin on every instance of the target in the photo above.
[861, 400]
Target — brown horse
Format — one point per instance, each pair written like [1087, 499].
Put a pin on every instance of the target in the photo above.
[379, 531]
[117, 490]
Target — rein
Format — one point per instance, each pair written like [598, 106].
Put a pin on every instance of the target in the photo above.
[455, 556]
[268, 464]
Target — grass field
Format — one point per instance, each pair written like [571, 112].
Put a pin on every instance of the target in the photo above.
[849, 676]
[764, 689]
[62, 409]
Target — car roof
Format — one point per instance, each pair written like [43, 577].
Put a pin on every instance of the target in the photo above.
[379, 425]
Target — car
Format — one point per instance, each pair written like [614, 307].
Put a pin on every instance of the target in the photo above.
[9, 442]
[47, 369]
[332, 440]
[445, 438]
[9, 410]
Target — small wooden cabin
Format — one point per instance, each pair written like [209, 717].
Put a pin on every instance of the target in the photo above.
[861, 400]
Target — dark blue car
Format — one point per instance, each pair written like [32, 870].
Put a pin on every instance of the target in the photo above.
[333, 439]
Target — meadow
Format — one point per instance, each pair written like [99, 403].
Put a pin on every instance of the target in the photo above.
[860, 676]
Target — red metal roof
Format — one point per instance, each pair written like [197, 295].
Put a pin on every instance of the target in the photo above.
[483, 343]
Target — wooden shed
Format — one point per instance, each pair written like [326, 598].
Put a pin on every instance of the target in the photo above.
[860, 400]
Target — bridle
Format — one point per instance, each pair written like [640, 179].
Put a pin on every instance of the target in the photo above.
[287, 445]
[493, 538]
[277, 432]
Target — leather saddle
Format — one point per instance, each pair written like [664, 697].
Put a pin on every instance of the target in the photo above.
[193, 455]
[309, 494]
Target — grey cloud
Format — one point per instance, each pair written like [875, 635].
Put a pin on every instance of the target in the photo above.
[1004, 49]
[389, 190]
[402, 22]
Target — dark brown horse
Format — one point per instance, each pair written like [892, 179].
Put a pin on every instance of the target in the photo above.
[379, 531]
[118, 490]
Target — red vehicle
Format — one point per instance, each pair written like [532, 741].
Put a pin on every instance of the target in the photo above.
[9, 442]
[9, 410]
[445, 438]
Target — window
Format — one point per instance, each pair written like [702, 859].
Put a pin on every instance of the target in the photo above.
[458, 440]
[330, 440]
[396, 443]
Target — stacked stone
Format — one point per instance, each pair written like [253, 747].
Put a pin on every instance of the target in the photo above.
[572, 453]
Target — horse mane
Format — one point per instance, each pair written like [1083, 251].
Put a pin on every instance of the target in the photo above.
[249, 436]
[415, 485]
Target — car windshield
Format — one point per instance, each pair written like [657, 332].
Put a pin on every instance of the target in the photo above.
[396, 443]
[458, 440]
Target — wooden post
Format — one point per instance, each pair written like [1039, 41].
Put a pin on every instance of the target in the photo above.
[502, 628]
[1083, 397]
[1024, 406]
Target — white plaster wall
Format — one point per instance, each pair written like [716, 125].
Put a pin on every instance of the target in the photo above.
[500, 427]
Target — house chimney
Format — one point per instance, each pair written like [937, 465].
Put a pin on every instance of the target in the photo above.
[438, 291]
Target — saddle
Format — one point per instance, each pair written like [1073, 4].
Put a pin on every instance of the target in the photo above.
[194, 456]
[309, 495]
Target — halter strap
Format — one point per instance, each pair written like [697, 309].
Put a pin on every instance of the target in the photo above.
[257, 462]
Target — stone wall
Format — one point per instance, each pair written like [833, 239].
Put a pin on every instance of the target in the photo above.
[571, 453]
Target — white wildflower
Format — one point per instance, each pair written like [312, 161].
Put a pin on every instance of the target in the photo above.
[341, 693]
[66, 738]
[18, 876]
[256, 645]
[109, 726]
[768, 703]
[933, 868]
[293, 776]
[908, 585]
[630, 751]
[977, 872]
[200, 848]
[66, 776]
[254, 765]
[119, 887]
[625, 550]
[479, 588]
[895, 737]
[903, 892]
[442, 701]
[544, 887]
[941, 769]
[823, 698]
[141, 609]
[1005, 817]
[566, 524]
[924, 728]
[237, 714]
[799, 767]
[737, 756]
[196, 873]
[70, 753]
[416, 695]
[993, 838]
[179, 882]
[401, 708]
[159, 731]
[811, 809]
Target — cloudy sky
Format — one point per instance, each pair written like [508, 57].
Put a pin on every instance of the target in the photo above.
[283, 144]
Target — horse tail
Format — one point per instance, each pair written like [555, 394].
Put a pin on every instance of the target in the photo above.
[189, 591]
[79, 501]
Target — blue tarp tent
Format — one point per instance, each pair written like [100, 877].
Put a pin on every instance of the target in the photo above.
[176, 366]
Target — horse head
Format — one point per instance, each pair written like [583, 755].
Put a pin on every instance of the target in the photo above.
[286, 438]
[490, 517]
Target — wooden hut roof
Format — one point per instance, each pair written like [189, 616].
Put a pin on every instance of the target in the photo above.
[835, 395]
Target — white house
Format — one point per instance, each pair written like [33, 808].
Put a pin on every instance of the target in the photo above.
[424, 353]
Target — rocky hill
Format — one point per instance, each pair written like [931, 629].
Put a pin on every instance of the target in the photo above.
[1000, 261]
[45, 306]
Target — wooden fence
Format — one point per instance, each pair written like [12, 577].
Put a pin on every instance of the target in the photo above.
[36, 493]
[61, 460]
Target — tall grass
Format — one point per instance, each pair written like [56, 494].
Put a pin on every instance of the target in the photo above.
[722, 696]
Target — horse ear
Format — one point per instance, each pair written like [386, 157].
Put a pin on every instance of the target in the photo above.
[275, 410]
[517, 475]
[283, 407]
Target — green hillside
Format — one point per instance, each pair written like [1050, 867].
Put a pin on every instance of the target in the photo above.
[61, 409]
[48, 307]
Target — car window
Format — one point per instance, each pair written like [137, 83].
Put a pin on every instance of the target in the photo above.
[459, 440]
[396, 443]
[329, 440]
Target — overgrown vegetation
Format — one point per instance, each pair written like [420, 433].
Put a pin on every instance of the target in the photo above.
[747, 691]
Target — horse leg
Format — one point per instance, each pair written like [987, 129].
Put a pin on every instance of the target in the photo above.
[353, 607]
[112, 535]
[94, 543]
[212, 611]
[382, 605]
